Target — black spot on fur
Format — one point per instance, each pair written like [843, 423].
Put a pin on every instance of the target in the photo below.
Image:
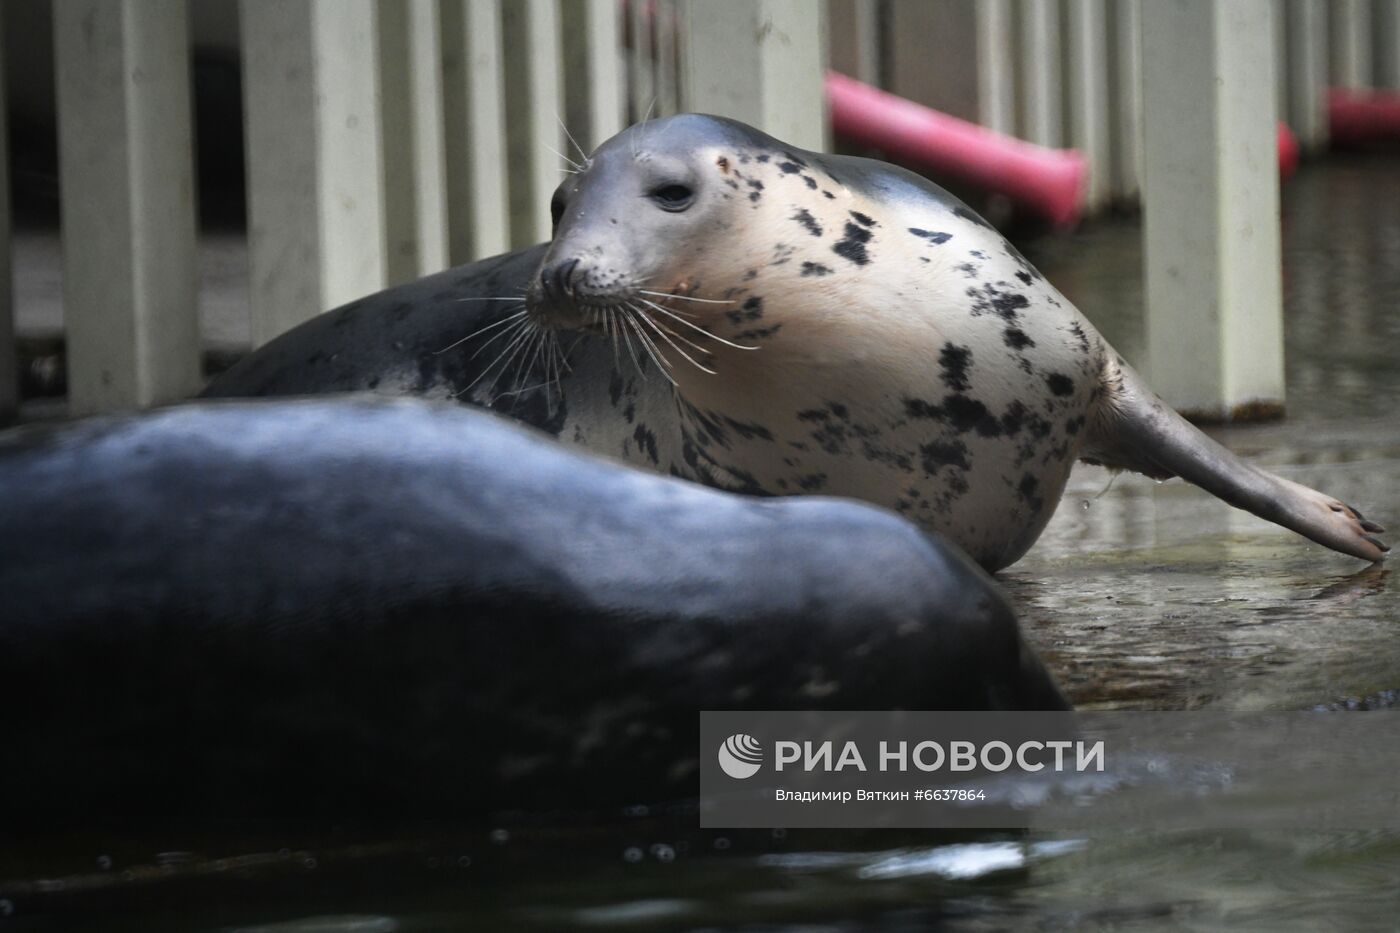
[615, 387]
[1024, 276]
[829, 195]
[815, 268]
[839, 410]
[1027, 488]
[936, 455]
[1016, 338]
[646, 442]
[864, 220]
[1060, 384]
[961, 412]
[812, 482]
[758, 333]
[810, 182]
[789, 168]
[813, 414]
[955, 362]
[852, 246]
[750, 310]
[809, 223]
[937, 238]
[988, 298]
[748, 430]
[968, 414]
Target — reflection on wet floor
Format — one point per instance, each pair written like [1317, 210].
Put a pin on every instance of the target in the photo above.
[1142, 594]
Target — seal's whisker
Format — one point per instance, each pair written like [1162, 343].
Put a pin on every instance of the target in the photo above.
[653, 325]
[521, 332]
[513, 329]
[553, 375]
[532, 359]
[519, 350]
[696, 327]
[681, 337]
[623, 323]
[610, 330]
[642, 126]
[563, 126]
[504, 320]
[576, 167]
[653, 351]
[706, 301]
[516, 298]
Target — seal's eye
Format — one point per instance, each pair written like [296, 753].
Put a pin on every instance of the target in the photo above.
[673, 197]
[556, 209]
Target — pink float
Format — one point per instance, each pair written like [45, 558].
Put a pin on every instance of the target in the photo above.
[1048, 181]
[1356, 118]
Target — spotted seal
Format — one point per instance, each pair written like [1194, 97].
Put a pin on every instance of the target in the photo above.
[396, 607]
[718, 305]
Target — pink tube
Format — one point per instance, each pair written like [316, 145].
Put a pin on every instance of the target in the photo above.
[1287, 151]
[1359, 117]
[1049, 181]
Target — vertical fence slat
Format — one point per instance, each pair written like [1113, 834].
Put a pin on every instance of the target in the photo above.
[126, 172]
[948, 82]
[593, 66]
[1127, 100]
[415, 185]
[870, 63]
[316, 231]
[1307, 72]
[1387, 45]
[1211, 212]
[430, 190]
[1351, 43]
[664, 42]
[759, 61]
[996, 67]
[1088, 98]
[534, 135]
[642, 77]
[9, 361]
[473, 73]
[855, 39]
[415, 188]
[1042, 115]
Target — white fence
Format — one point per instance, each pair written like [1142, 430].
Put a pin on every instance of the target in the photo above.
[387, 139]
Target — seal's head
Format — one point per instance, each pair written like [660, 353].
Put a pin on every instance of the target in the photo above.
[650, 215]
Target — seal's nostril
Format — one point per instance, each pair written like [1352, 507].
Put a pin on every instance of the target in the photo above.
[557, 280]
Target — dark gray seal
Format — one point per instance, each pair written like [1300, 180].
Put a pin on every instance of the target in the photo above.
[720, 306]
[358, 608]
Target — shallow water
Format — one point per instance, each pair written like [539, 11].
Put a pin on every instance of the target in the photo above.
[1139, 595]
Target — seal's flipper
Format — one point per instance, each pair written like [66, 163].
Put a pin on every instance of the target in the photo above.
[1136, 430]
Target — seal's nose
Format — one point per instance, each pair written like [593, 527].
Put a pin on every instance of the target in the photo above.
[557, 280]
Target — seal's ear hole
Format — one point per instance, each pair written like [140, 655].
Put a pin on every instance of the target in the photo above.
[556, 208]
[673, 197]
